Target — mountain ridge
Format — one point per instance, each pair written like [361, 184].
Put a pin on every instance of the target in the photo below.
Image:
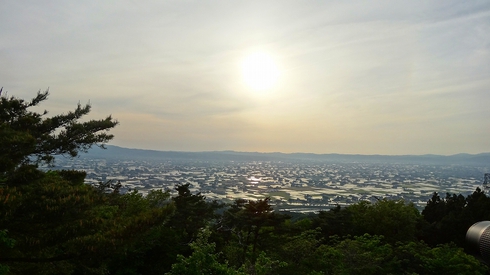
[117, 152]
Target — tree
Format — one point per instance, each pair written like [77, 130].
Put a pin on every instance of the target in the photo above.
[192, 212]
[449, 218]
[297, 251]
[247, 221]
[477, 207]
[61, 225]
[336, 221]
[435, 209]
[395, 220]
[369, 254]
[64, 228]
[28, 138]
[419, 258]
[364, 254]
[203, 260]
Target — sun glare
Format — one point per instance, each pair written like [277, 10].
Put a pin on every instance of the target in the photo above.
[259, 70]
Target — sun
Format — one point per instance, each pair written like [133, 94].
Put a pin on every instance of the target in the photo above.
[259, 70]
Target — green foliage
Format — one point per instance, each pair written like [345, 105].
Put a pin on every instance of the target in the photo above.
[449, 218]
[395, 220]
[247, 222]
[73, 176]
[154, 251]
[5, 243]
[263, 265]
[203, 260]
[362, 255]
[192, 212]
[145, 250]
[449, 259]
[29, 138]
[73, 226]
[62, 226]
[297, 250]
[336, 221]
[419, 258]
[368, 254]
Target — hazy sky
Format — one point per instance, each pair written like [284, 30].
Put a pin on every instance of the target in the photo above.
[360, 77]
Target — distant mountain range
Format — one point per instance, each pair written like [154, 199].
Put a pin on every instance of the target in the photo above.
[116, 152]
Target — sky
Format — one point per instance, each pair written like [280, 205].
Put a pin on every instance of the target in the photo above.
[351, 77]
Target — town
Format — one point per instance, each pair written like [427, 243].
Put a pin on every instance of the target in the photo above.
[298, 186]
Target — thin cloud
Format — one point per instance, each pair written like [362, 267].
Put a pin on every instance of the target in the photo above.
[355, 76]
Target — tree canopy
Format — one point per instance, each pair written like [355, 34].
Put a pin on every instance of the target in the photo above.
[29, 138]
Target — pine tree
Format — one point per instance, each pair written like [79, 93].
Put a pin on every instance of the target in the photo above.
[28, 138]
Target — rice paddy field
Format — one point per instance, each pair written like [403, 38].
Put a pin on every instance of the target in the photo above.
[293, 186]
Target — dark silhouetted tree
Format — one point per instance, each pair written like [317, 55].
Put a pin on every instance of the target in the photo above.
[192, 212]
[247, 220]
[29, 138]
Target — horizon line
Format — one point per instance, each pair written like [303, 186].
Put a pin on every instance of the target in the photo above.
[292, 153]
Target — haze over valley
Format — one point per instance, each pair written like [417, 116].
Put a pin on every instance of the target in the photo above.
[295, 182]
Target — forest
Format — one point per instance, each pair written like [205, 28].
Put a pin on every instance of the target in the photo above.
[51, 222]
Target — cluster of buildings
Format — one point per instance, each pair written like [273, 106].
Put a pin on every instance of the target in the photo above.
[292, 186]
